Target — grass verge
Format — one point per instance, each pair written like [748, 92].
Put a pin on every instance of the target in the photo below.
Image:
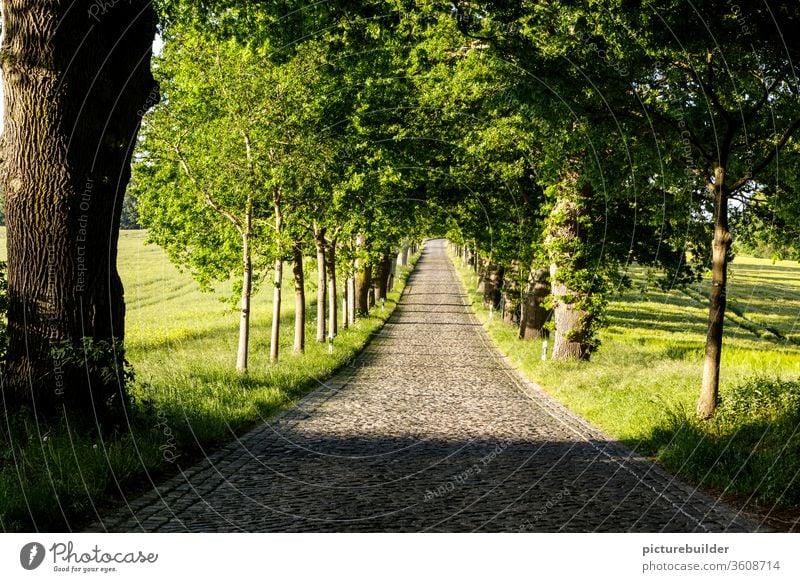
[642, 385]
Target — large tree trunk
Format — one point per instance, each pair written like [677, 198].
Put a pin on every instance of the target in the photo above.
[567, 237]
[247, 287]
[333, 309]
[319, 241]
[299, 299]
[721, 244]
[534, 313]
[75, 91]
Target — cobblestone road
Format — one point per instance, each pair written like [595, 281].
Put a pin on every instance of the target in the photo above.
[429, 430]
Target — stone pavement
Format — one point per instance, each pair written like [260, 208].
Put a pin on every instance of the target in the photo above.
[428, 430]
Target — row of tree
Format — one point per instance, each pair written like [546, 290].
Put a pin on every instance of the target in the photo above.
[554, 142]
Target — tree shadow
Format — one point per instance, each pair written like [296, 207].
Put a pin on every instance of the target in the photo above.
[284, 479]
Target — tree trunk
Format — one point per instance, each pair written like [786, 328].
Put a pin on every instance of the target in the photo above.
[492, 282]
[333, 310]
[319, 241]
[74, 96]
[402, 256]
[721, 244]
[247, 287]
[570, 321]
[274, 341]
[512, 295]
[566, 238]
[299, 299]
[363, 285]
[392, 273]
[481, 271]
[384, 272]
[351, 300]
[345, 305]
[534, 314]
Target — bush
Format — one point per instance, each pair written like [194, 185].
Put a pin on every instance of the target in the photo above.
[761, 398]
[750, 447]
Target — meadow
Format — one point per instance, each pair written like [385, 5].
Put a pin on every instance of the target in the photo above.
[187, 396]
[642, 385]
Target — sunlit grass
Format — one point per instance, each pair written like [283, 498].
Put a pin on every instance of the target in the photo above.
[642, 385]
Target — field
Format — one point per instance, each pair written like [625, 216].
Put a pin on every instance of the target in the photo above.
[187, 396]
[642, 385]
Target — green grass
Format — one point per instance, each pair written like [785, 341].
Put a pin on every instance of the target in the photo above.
[187, 396]
[642, 385]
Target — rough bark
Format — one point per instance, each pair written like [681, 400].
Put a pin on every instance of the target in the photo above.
[709, 392]
[319, 241]
[299, 299]
[534, 314]
[566, 237]
[333, 310]
[75, 90]
[247, 287]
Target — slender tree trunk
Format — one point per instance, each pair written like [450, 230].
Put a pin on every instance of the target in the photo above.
[274, 341]
[566, 238]
[402, 256]
[492, 283]
[333, 310]
[74, 93]
[482, 272]
[535, 314]
[512, 295]
[299, 299]
[720, 245]
[392, 273]
[247, 287]
[351, 300]
[371, 293]
[384, 272]
[363, 285]
[319, 241]
[345, 304]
